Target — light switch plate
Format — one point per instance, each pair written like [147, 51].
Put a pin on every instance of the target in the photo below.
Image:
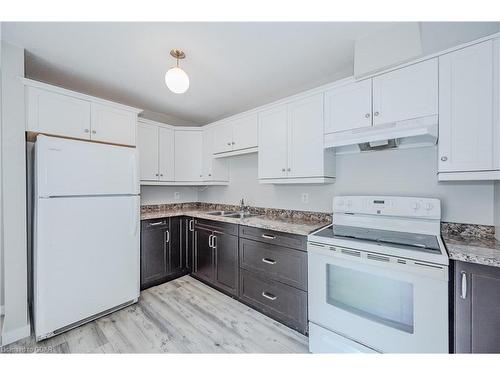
[177, 195]
[305, 197]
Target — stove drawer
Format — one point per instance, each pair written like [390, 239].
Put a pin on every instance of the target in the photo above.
[276, 262]
[281, 302]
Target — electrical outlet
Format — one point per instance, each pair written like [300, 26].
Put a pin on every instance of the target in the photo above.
[305, 197]
[177, 195]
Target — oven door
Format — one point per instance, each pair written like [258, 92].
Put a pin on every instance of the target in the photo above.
[389, 305]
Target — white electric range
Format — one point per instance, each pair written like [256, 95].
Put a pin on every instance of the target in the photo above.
[378, 278]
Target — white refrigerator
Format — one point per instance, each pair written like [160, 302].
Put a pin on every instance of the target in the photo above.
[86, 256]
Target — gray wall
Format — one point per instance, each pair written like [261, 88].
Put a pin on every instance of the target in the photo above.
[410, 172]
[16, 322]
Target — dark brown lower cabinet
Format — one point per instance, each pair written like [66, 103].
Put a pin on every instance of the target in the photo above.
[162, 256]
[216, 254]
[477, 308]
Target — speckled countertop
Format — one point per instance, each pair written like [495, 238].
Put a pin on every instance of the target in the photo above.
[283, 221]
[472, 243]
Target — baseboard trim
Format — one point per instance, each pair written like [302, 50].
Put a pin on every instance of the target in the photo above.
[17, 334]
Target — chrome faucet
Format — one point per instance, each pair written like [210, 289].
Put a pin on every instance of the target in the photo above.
[242, 204]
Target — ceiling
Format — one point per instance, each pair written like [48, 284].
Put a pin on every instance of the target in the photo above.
[232, 66]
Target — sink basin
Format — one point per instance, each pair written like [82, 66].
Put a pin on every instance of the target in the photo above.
[240, 215]
[221, 213]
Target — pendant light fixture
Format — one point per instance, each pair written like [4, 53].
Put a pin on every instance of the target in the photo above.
[176, 79]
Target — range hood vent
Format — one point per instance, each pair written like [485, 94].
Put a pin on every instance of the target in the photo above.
[420, 132]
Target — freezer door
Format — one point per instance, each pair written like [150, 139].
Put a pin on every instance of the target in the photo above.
[86, 258]
[66, 167]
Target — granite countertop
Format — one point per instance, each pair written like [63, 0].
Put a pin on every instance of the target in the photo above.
[286, 225]
[480, 249]
[473, 250]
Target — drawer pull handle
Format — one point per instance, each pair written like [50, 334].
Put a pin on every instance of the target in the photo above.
[463, 291]
[269, 236]
[269, 296]
[268, 261]
[157, 223]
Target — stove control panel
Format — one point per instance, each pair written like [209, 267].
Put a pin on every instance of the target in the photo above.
[388, 206]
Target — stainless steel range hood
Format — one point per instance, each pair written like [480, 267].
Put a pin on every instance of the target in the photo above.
[421, 132]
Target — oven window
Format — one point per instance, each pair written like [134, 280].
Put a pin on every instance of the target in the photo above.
[381, 299]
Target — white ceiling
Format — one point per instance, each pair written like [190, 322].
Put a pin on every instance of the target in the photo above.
[232, 66]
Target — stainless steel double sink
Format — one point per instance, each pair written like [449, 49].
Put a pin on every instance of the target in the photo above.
[233, 214]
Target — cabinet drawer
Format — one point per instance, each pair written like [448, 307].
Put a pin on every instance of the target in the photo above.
[281, 302]
[276, 238]
[151, 224]
[276, 262]
[218, 226]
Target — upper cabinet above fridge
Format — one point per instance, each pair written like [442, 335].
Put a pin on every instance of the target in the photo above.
[52, 110]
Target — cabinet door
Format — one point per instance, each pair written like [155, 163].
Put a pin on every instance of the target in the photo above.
[348, 107]
[273, 143]
[226, 262]
[113, 125]
[245, 132]
[223, 138]
[305, 137]
[477, 308]
[166, 154]
[175, 256]
[57, 114]
[466, 109]
[203, 255]
[213, 169]
[406, 93]
[147, 143]
[188, 152]
[153, 255]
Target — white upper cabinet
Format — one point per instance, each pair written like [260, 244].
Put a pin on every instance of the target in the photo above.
[305, 137]
[273, 143]
[166, 165]
[147, 143]
[348, 107]
[56, 114]
[223, 138]
[245, 132]
[56, 111]
[407, 93]
[214, 170]
[188, 155]
[112, 125]
[291, 147]
[236, 136]
[400, 95]
[468, 112]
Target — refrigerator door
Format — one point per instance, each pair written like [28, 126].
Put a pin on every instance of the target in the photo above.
[86, 258]
[66, 167]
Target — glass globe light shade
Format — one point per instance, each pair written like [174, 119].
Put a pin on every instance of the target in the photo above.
[177, 80]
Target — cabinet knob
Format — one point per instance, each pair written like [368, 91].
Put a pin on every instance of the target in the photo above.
[210, 174]
[444, 158]
[283, 169]
[376, 113]
[289, 169]
[156, 174]
[367, 115]
[232, 143]
[229, 143]
[86, 130]
[201, 175]
[161, 175]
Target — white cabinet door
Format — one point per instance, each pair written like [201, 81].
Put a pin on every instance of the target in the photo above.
[223, 138]
[166, 154]
[406, 93]
[466, 109]
[148, 152]
[113, 125]
[348, 107]
[213, 169]
[188, 154]
[305, 137]
[57, 114]
[245, 132]
[273, 142]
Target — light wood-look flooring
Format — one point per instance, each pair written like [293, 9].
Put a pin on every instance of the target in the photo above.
[181, 316]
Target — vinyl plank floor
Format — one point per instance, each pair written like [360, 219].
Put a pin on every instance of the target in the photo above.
[181, 316]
